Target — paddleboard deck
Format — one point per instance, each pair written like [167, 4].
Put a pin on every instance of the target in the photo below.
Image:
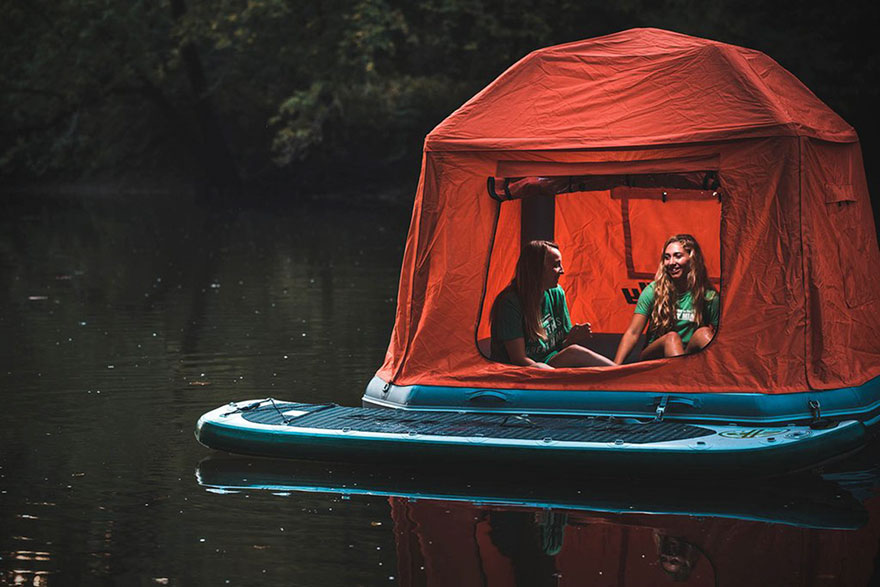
[270, 427]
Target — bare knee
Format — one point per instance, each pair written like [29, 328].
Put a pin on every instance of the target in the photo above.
[579, 356]
[701, 337]
[672, 345]
[668, 345]
[568, 356]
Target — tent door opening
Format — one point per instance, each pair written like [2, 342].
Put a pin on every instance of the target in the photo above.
[610, 230]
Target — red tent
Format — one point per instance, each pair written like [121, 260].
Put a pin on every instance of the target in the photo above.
[635, 136]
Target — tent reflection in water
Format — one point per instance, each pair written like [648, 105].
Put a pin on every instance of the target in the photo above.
[442, 543]
[608, 146]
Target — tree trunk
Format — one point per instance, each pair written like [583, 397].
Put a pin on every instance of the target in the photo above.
[220, 173]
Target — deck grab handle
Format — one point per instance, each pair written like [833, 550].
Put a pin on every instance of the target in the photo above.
[487, 397]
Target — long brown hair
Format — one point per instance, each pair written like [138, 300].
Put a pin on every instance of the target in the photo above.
[665, 297]
[528, 286]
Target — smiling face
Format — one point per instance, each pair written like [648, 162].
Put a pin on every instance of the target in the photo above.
[676, 261]
[552, 268]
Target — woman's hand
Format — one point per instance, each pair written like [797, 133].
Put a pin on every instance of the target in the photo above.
[579, 333]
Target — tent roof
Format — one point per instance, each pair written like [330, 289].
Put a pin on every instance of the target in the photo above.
[638, 87]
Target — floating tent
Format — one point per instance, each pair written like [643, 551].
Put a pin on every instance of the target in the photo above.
[608, 146]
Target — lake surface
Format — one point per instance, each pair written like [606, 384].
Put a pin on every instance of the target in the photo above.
[123, 319]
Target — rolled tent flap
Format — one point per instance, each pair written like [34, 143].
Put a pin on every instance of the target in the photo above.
[787, 233]
[618, 166]
[682, 186]
[524, 179]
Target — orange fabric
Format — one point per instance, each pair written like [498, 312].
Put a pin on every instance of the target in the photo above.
[796, 250]
[841, 265]
[638, 87]
[502, 265]
[586, 223]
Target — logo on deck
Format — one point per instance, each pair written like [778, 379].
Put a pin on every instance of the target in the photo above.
[753, 433]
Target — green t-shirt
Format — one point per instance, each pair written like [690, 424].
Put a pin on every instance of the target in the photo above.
[509, 325]
[684, 312]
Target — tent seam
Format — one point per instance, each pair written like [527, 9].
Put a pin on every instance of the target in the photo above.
[807, 347]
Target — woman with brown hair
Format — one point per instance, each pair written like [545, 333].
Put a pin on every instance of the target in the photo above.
[680, 307]
[530, 323]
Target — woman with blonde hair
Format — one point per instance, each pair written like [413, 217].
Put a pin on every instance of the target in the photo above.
[680, 307]
[530, 323]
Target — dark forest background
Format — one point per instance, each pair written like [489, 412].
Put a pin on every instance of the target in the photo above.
[302, 97]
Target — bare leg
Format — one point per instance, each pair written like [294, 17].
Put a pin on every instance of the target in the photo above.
[577, 356]
[700, 339]
[668, 345]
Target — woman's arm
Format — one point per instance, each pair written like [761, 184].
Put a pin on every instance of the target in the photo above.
[630, 337]
[574, 333]
[516, 351]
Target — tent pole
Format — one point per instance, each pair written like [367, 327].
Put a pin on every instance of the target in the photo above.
[538, 218]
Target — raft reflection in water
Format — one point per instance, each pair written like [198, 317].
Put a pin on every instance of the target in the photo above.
[470, 528]
[463, 544]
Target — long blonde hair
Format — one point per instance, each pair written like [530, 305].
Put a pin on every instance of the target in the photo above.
[528, 283]
[663, 316]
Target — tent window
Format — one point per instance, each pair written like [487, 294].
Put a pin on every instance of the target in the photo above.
[837, 193]
[610, 239]
[642, 221]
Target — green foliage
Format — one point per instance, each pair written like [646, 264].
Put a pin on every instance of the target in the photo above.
[74, 81]
[297, 87]
[300, 122]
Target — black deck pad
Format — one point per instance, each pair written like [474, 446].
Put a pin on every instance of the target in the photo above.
[511, 426]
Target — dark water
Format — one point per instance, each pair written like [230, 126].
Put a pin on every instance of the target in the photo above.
[124, 319]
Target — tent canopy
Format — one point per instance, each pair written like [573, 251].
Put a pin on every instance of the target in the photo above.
[637, 88]
[629, 138]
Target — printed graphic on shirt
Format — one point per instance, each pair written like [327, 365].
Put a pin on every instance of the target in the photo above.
[685, 315]
[555, 335]
[554, 330]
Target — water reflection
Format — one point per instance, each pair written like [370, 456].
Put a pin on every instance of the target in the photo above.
[807, 500]
[478, 527]
[122, 321]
